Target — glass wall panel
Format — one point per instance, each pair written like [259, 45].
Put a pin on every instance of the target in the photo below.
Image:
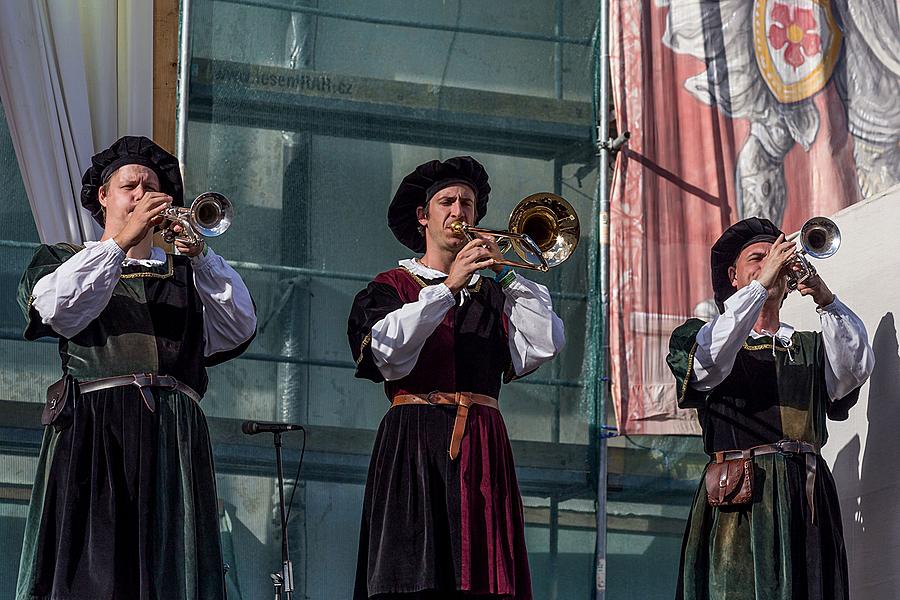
[308, 123]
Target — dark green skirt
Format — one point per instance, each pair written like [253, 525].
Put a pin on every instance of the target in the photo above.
[769, 549]
[124, 504]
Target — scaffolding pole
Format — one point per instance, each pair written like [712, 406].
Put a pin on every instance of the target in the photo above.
[599, 275]
[184, 76]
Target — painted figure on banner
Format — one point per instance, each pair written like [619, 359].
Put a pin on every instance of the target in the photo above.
[768, 60]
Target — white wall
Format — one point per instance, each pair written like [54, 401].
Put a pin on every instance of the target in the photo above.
[863, 450]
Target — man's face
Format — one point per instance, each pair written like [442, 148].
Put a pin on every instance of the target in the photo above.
[453, 203]
[749, 265]
[125, 188]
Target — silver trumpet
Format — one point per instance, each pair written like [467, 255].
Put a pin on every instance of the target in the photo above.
[209, 215]
[818, 238]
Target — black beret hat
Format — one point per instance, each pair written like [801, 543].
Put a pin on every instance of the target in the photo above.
[728, 247]
[130, 150]
[418, 187]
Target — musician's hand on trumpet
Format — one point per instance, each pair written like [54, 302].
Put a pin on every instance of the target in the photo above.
[185, 247]
[475, 255]
[491, 245]
[815, 286]
[146, 215]
[773, 274]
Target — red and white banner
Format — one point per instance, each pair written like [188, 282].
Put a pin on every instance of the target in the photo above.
[783, 109]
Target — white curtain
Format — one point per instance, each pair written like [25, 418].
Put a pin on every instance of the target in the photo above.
[74, 76]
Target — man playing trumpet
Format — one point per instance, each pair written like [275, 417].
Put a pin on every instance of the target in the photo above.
[766, 520]
[124, 502]
[442, 516]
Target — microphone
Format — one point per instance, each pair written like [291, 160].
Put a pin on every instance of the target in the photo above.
[254, 427]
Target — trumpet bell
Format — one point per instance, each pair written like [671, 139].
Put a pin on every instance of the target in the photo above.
[211, 214]
[550, 222]
[820, 237]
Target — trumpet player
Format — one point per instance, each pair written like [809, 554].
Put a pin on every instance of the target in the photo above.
[124, 501]
[442, 515]
[766, 520]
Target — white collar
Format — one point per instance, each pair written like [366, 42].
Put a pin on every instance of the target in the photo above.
[784, 334]
[416, 268]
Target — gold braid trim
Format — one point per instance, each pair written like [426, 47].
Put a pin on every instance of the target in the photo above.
[416, 278]
[687, 377]
[778, 347]
[151, 274]
[362, 348]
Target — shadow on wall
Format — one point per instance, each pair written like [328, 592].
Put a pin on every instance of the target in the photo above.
[874, 534]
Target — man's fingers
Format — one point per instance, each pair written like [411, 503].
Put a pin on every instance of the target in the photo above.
[156, 197]
[475, 254]
[786, 254]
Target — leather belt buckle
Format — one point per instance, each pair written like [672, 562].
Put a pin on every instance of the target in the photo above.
[788, 447]
[156, 380]
[430, 397]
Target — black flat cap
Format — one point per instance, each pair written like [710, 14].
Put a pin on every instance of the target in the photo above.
[728, 247]
[429, 178]
[130, 150]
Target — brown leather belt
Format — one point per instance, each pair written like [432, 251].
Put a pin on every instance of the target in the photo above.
[462, 400]
[142, 381]
[788, 448]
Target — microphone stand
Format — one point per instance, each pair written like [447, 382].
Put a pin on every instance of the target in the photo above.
[282, 581]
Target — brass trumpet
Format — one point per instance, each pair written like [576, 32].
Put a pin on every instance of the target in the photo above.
[818, 238]
[209, 215]
[543, 230]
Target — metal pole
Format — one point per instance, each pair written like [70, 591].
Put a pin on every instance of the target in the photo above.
[553, 541]
[284, 586]
[184, 78]
[603, 374]
[558, 51]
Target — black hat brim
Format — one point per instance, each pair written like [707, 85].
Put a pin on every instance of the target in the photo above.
[419, 186]
[728, 247]
[125, 151]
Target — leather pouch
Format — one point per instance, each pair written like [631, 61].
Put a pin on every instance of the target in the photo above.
[729, 483]
[58, 409]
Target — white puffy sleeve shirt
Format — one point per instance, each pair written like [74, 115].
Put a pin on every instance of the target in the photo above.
[535, 332]
[848, 356]
[77, 292]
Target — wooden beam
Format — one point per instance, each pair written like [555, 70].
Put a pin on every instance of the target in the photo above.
[165, 71]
